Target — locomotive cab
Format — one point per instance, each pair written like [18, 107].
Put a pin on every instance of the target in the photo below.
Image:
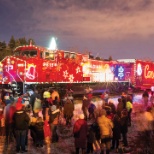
[35, 53]
[26, 53]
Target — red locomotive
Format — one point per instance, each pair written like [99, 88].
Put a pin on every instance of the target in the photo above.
[32, 64]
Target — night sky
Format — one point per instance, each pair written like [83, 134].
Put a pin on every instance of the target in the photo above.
[117, 28]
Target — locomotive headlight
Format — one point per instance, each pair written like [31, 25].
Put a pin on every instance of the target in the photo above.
[12, 62]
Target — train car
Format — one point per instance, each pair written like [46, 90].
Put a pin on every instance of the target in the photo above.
[32, 64]
[142, 73]
[35, 65]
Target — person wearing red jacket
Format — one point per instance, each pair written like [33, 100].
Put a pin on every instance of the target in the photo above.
[80, 131]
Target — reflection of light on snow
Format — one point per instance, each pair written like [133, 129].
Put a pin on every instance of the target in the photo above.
[138, 98]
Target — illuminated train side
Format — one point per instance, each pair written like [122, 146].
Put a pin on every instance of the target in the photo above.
[37, 65]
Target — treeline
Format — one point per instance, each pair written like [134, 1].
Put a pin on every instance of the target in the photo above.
[7, 49]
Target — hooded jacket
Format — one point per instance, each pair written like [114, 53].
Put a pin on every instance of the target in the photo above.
[21, 120]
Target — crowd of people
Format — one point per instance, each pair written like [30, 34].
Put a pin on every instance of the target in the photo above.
[110, 123]
[39, 115]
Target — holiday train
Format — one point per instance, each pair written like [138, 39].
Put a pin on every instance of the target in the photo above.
[31, 65]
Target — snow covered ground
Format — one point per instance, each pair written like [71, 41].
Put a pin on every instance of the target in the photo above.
[66, 143]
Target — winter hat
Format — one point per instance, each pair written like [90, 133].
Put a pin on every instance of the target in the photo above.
[19, 100]
[19, 106]
[81, 116]
[53, 107]
[46, 94]
[7, 96]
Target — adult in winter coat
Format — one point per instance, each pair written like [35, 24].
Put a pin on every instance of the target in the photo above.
[85, 106]
[116, 131]
[124, 126]
[105, 124]
[21, 123]
[9, 111]
[129, 108]
[39, 130]
[80, 131]
[120, 106]
[68, 111]
[53, 122]
[33, 97]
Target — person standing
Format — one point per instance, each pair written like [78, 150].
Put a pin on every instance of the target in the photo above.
[120, 106]
[124, 126]
[9, 111]
[85, 106]
[80, 131]
[39, 130]
[152, 98]
[116, 131]
[21, 123]
[129, 108]
[33, 98]
[145, 97]
[53, 122]
[106, 125]
[68, 111]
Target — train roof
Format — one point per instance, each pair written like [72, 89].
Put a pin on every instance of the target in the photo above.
[44, 49]
[127, 60]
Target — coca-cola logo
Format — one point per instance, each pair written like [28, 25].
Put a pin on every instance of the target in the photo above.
[148, 74]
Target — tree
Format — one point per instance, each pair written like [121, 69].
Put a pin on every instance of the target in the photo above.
[2, 45]
[12, 43]
[17, 43]
[110, 58]
[23, 41]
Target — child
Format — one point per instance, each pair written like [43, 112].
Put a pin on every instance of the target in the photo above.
[90, 140]
[39, 132]
[116, 131]
[124, 126]
[33, 120]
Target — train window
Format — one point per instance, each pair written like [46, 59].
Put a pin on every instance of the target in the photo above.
[49, 56]
[29, 53]
[72, 55]
[66, 55]
[17, 53]
[33, 53]
[25, 53]
[41, 54]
